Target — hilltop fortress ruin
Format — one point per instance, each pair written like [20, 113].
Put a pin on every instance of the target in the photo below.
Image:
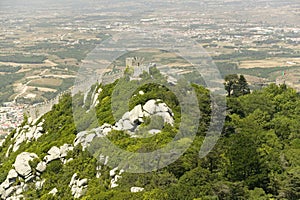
[134, 63]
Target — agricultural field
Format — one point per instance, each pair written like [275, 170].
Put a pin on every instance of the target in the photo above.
[35, 67]
[42, 52]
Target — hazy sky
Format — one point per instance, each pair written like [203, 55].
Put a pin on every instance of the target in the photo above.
[155, 3]
[236, 8]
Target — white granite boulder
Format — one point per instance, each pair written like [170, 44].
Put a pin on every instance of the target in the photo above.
[39, 184]
[136, 115]
[54, 191]
[21, 164]
[58, 153]
[136, 189]
[12, 175]
[65, 149]
[150, 106]
[41, 166]
[53, 154]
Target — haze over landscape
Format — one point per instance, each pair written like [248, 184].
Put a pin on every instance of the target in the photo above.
[173, 99]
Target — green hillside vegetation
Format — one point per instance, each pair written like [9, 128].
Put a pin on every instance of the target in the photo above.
[257, 156]
[78, 51]
[21, 58]
[9, 69]
[6, 87]
[227, 68]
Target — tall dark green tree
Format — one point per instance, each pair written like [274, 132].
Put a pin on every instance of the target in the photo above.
[243, 87]
[236, 85]
[231, 81]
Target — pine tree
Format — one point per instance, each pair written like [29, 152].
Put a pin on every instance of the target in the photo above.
[243, 85]
[231, 81]
[236, 85]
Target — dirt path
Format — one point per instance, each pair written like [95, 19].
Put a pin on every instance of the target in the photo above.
[25, 87]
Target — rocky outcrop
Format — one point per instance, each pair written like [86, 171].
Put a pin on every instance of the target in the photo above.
[64, 149]
[95, 96]
[129, 122]
[86, 137]
[17, 197]
[113, 172]
[13, 193]
[2, 140]
[53, 154]
[9, 181]
[25, 174]
[8, 150]
[22, 171]
[78, 187]
[56, 153]
[22, 166]
[27, 133]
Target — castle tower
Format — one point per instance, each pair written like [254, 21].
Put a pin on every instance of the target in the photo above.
[129, 62]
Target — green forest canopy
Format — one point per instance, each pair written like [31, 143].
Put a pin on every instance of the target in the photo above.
[257, 156]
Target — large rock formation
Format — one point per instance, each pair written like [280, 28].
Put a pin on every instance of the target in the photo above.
[28, 133]
[24, 173]
[58, 153]
[86, 137]
[21, 164]
[53, 154]
[129, 122]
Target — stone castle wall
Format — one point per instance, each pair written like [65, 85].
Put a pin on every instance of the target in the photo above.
[38, 110]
